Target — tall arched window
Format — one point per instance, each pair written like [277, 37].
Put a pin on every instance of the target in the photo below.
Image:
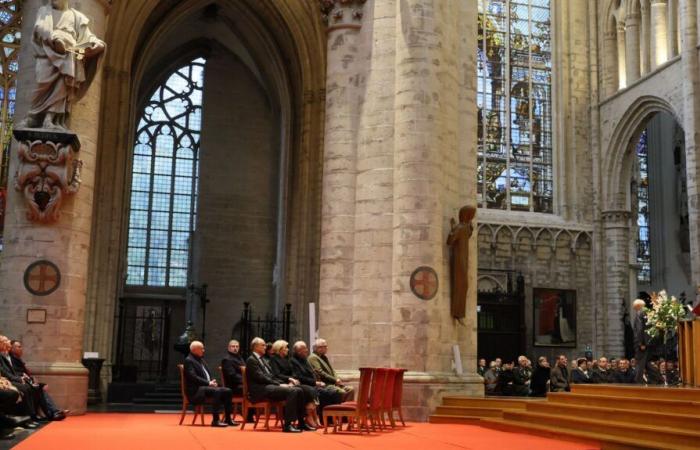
[164, 181]
[10, 26]
[643, 240]
[515, 106]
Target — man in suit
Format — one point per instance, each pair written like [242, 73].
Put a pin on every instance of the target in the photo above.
[601, 374]
[41, 396]
[624, 373]
[26, 406]
[200, 385]
[262, 386]
[581, 375]
[319, 361]
[641, 342]
[522, 376]
[559, 376]
[231, 367]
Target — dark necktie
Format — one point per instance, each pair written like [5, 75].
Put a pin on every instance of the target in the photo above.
[267, 368]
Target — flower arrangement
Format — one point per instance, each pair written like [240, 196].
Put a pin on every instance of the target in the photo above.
[664, 314]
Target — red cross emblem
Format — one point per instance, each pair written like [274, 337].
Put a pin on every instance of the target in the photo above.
[424, 283]
[42, 278]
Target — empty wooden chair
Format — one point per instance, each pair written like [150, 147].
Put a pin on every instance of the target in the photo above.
[387, 400]
[236, 400]
[197, 408]
[397, 398]
[355, 412]
[376, 397]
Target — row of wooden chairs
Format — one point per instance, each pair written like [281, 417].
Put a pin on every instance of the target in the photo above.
[240, 403]
[380, 394]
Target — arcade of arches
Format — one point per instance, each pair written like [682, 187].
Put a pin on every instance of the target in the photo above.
[309, 152]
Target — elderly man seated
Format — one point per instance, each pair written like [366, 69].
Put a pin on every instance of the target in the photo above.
[27, 406]
[324, 370]
[200, 386]
[304, 372]
[40, 391]
[262, 386]
[231, 368]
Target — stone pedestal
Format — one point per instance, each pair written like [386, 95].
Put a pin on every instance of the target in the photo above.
[94, 366]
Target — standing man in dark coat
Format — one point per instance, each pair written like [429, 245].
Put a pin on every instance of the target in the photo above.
[641, 341]
[262, 385]
[231, 368]
[559, 377]
[200, 385]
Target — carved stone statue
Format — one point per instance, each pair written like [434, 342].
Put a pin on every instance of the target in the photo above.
[458, 240]
[66, 54]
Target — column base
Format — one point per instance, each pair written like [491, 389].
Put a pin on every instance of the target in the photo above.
[67, 384]
[423, 391]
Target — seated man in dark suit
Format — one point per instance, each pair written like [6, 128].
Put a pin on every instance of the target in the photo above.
[601, 374]
[200, 385]
[559, 376]
[263, 386]
[624, 374]
[581, 375]
[231, 368]
[41, 396]
[27, 406]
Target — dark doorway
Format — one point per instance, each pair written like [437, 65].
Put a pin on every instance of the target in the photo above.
[501, 315]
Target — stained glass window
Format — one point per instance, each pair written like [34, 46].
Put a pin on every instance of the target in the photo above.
[643, 248]
[164, 181]
[10, 26]
[514, 102]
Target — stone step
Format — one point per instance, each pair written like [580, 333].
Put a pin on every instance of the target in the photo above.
[490, 402]
[663, 436]
[668, 418]
[464, 411]
[627, 403]
[638, 391]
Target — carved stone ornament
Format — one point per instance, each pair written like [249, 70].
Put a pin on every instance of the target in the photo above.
[49, 169]
[342, 13]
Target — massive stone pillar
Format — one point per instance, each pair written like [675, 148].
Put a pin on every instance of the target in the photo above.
[632, 51]
[413, 75]
[53, 346]
[691, 125]
[659, 33]
[616, 226]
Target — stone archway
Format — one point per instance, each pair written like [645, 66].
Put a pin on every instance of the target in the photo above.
[292, 34]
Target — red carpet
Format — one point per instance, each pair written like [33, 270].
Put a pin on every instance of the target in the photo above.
[103, 431]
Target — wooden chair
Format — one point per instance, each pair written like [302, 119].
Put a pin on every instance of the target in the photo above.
[266, 406]
[376, 397]
[356, 412]
[237, 400]
[387, 400]
[198, 408]
[397, 397]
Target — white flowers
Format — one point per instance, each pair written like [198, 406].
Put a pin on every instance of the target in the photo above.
[664, 314]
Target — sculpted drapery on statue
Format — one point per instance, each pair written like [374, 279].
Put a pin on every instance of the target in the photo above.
[458, 240]
[66, 54]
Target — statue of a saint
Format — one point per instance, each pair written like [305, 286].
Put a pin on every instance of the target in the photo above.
[458, 240]
[66, 55]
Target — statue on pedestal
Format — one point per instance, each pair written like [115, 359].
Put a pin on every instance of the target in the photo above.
[458, 240]
[66, 54]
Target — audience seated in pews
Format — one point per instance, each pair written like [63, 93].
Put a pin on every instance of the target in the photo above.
[231, 368]
[581, 374]
[40, 390]
[491, 379]
[304, 372]
[201, 386]
[559, 375]
[27, 404]
[263, 385]
[322, 366]
[283, 371]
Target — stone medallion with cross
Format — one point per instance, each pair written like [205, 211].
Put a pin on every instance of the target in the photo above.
[42, 277]
[424, 283]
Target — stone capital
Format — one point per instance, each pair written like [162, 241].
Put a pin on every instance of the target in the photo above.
[616, 216]
[339, 14]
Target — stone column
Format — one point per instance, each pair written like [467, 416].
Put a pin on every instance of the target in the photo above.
[691, 125]
[610, 82]
[53, 349]
[645, 37]
[672, 28]
[659, 33]
[616, 225]
[632, 64]
[344, 20]
[621, 56]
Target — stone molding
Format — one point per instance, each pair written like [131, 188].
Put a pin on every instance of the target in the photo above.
[49, 170]
[616, 216]
[540, 235]
[338, 14]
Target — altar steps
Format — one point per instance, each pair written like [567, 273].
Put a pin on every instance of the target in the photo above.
[614, 416]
